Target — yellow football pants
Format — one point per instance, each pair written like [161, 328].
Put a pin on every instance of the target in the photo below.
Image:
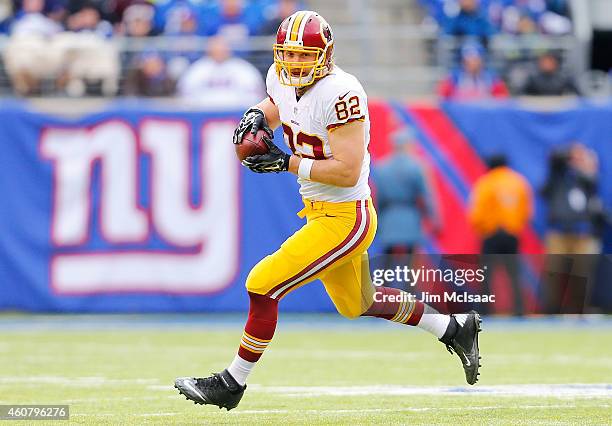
[331, 247]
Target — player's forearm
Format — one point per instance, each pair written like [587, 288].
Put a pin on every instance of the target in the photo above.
[330, 171]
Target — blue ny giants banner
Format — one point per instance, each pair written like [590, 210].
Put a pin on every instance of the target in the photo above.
[137, 209]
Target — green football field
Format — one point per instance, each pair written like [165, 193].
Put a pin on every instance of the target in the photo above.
[120, 370]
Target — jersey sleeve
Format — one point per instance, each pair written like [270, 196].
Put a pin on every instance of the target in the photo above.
[344, 107]
[271, 83]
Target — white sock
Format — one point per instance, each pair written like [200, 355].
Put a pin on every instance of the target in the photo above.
[434, 322]
[240, 369]
[461, 318]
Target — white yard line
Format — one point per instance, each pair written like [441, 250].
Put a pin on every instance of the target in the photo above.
[414, 409]
[570, 390]
[365, 410]
[562, 390]
[74, 381]
[576, 390]
[159, 414]
[119, 398]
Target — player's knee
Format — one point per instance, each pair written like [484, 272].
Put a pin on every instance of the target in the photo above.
[257, 280]
[253, 282]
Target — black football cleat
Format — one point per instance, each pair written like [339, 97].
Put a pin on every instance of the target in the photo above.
[220, 389]
[464, 343]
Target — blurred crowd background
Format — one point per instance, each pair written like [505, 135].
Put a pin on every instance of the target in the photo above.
[460, 49]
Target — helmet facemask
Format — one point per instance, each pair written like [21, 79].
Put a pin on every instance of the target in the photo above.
[298, 73]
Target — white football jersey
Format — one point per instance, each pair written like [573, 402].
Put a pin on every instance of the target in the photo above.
[334, 100]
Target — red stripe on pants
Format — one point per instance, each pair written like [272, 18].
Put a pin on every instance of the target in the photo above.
[312, 265]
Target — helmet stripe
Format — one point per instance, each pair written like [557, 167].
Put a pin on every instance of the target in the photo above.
[296, 26]
[307, 16]
[289, 25]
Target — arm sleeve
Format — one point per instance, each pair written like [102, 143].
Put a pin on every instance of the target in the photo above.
[346, 107]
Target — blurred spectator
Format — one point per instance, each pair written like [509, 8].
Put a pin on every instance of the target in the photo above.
[31, 21]
[138, 20]
[220, 80]
[516, 15]
[234, 20]
[500, 208]
[523, 13]
[575, 210]
[283, 9]
[75, 6]
[181, 21]
[89, 63]
[471, 20]
[472, 81]
[548, 79]
[148, 76]
[555, 24]
[89, 19]
[56, 11]
[170, 15]
[496, 11]
[575, 221]
[507, 16]
[29, 47]
[525, 25]
[403, 200]
[113, 10]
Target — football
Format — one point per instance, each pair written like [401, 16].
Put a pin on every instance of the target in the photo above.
[252, 144]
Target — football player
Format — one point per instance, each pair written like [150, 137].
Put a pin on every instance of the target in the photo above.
[324, 114]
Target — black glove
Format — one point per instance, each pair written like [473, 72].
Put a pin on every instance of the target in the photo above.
[252, 121]
[275, 160]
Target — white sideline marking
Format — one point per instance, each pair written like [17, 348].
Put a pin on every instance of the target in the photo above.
[75, 381]
[118, 398]
[415, 409]
[571, 390]
[158, 414]
[364, 410]
[574, 390]
[92, 415]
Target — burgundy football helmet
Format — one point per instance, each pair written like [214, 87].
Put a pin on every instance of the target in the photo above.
[303, 34]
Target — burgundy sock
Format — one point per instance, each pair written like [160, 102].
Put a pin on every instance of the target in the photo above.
[394, 305]
[259, 328]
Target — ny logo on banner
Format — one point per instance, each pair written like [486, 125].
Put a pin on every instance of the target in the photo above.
[201, 254]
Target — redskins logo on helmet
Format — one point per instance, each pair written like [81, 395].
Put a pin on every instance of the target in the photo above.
[303, 35]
